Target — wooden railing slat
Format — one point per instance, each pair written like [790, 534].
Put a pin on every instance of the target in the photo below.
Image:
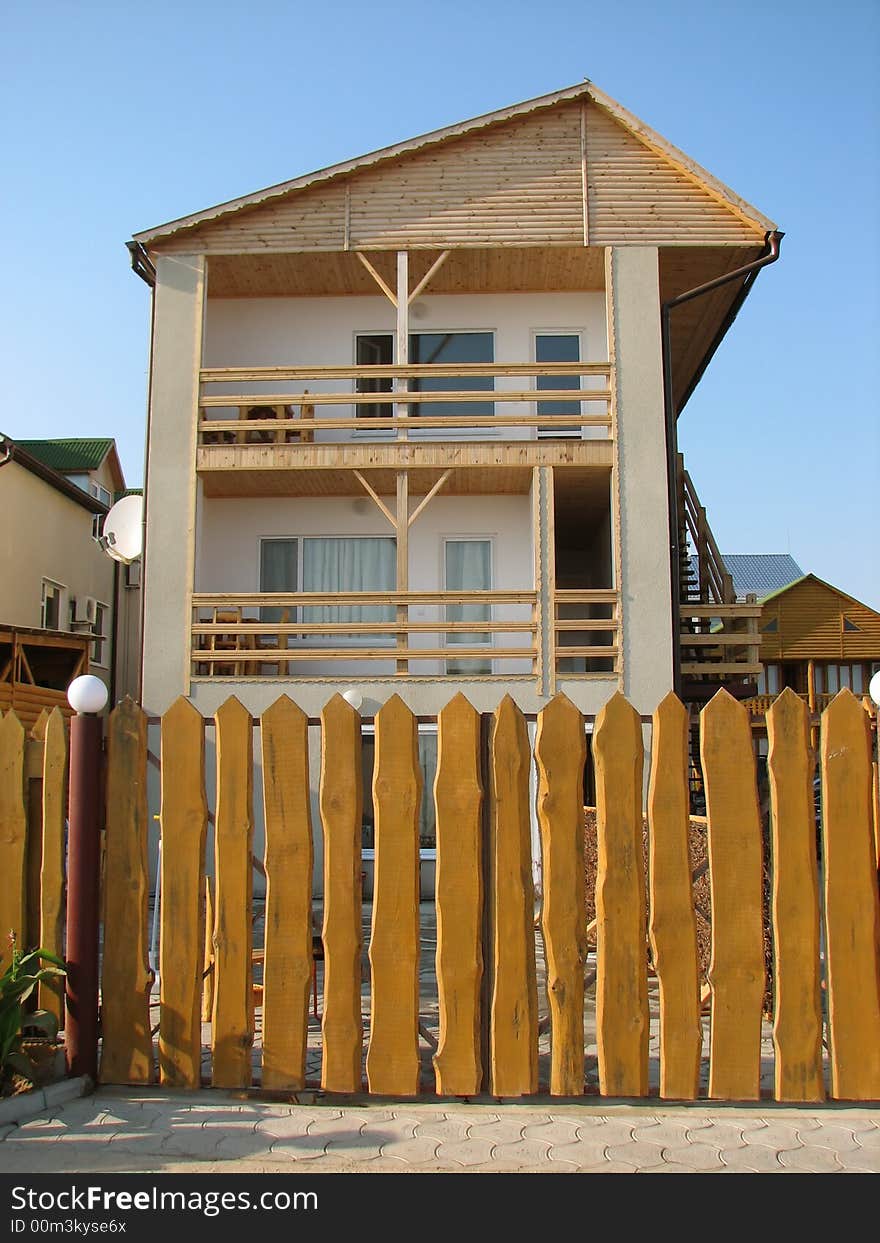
[287, 970]
[513, 1032]
[184, 821]
[13, 835]
[341, 801]
[736, 971]
[797, 1025]
[852, 921]
[127, 1045]
[560, 753]
[673, 924]
[233, 1018]
[622, 975]
[393, 1053]
[458, 797]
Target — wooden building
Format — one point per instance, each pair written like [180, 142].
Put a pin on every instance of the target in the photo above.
[817, 640]
[411, 426]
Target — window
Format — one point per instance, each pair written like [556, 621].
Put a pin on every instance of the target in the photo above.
[433, 348]
[468, 567]
[558, 347]
[100, 493]
[99, 653]
[50, 605]
[850, 626]
[772, 626]
[327, 565]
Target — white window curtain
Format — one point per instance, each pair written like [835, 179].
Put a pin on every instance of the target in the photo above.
[468, 568]
[332, 564]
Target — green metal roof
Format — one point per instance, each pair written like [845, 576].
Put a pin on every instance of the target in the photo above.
[69, 455]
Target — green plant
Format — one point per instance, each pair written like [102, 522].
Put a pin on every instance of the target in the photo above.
[17, 983]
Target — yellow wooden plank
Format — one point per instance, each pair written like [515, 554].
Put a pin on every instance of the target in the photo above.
[52, 863]
[287, 970]
[184, 820]
[13, 834]
[232, 1028]
[208, 973]
[673, 923]
[736, 968]
[458, 798]
[127, 1045]
[341, 801]
[560, 753]
[797, 1025]
[621, 938]
[852, 922]
[393, 1053]
[513, 1031]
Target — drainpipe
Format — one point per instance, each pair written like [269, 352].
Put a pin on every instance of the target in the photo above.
[749, 271]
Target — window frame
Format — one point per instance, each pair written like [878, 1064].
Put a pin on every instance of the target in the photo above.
[482, 538]
[567, 433]
[100, 639]
[61, 590]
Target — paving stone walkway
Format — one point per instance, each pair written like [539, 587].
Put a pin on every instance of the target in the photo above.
[151, 1131]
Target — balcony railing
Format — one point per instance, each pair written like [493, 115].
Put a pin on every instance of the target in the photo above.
[409, 633]
[720, 640]
[280, 406]
[309, 634]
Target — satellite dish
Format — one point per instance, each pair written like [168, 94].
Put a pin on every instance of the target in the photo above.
[123, 534]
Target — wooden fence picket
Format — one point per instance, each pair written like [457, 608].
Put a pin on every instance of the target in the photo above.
[127, 1045]
[393, 1052]
[13, 835]
[852, 922]
[287, 968]
[341, 802]
[52, 860]
[184, 821]
[797, 1024]
[458, 797]
[560, 754]
[33, 793]
[672, 921]
[622, 969]
[232, 1026]
[513, 1030]
[736, 969]
[208, 973]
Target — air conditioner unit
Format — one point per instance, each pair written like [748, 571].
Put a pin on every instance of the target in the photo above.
[85, 610]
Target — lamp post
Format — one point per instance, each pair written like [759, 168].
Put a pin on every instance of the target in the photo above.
[87, 695]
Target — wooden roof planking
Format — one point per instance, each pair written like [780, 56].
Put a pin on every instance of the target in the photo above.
[568, 169]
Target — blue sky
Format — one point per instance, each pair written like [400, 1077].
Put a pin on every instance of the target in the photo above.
[117, 118]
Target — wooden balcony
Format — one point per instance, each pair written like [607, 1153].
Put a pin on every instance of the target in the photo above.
[400, 633]
[720, 640]
[268, 430]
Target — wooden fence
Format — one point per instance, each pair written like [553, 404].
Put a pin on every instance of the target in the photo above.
[825, 948]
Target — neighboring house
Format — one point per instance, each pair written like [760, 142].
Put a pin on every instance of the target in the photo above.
[817, 640]
[64, 605]
[758, 574]
[408, 426]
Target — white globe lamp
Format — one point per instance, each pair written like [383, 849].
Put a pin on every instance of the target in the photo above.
[87, 695]
[874, 688]
[354, 697]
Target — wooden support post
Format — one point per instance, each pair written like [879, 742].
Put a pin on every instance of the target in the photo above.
[402, 563]
[401, 352]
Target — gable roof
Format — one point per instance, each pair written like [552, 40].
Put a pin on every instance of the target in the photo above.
[761, 574]
[69, 455]
[584, 91]
[813, 578]
[15, 451]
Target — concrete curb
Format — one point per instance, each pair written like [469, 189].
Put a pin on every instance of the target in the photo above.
[27, 1105]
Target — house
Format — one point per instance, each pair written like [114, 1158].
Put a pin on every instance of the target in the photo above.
[412, 422]
[65, 607]
[817, 640]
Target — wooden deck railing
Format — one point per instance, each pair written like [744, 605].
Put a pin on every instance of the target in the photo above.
[233, 637]
[285, 412]
[714, 582]
[731, 650]
[585, 633]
